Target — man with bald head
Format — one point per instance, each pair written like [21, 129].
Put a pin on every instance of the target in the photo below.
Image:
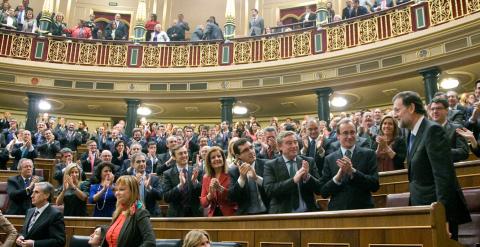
[166, 160]
[70, 138]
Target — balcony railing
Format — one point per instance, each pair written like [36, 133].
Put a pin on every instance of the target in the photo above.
[390, 23]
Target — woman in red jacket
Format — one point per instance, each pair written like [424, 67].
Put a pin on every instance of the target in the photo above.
[215, 185]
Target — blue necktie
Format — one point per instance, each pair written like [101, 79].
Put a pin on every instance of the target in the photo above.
[411, 140]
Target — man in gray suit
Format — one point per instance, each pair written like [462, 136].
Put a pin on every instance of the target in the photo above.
[256, 24]
[431, 173]
[212, 30]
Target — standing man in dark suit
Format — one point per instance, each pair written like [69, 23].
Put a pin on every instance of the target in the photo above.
[246, 180]
[291, 180]
[456, 112]
[166, 160]
[313, 143]
[349, 174]
[212, 30]
[20, 187]
[223, 138]
[26, 149]
[357, 9]
[308, 18]
[182, 187]
[438, 113]
[121, 32]
[70, 138]
[347, 11]
[50, 147]
[430, 168]
[43, 225]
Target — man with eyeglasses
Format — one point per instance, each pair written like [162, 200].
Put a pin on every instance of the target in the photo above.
[91, 158]
[134, 149]
[291, 180]
[246, 180]
[431, 173]
[166, 160]
[439, 114]
[349, 174]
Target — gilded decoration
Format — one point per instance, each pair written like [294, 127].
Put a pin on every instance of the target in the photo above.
[401, 22]
[271, 49]
[88, 54]
[180, 55]
[367, 30]
[336, 38]
[117, 55]
[21, 46]
[242, 52]
[440, 11]
[209, 55]
[473, 5]
[151, 56]
[301, 44]
[57, 51]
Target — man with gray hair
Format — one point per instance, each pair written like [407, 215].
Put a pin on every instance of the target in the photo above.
[43, 225]
[166, 160]
[268, 149]
[290, 180]
[20, 187]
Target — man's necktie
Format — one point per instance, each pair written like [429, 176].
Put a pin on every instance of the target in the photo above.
[295, 199]
[32, 220]
[142, 189]
[411, 140]
[311, 149]
[348, 154]
[27, 182]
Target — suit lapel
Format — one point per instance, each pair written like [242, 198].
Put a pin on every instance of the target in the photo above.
[39, 221]
[282, 168]
[355, 158]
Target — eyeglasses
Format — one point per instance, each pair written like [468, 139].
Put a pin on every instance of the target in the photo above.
[347, 133]
[140, 161]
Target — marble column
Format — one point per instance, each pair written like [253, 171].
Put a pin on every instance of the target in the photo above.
[33, 111]
[323, 106]
[132, 106]
[430, 80]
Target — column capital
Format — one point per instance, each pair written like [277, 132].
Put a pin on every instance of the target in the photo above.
[428, 72]
[133, 101]
[34, 95]
[324, 91]
[227, 100]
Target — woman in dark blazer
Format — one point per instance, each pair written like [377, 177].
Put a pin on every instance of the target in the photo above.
[130, 221]
[215, 185]
[390, 147]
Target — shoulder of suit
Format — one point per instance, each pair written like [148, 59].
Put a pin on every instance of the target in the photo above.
[303, 157]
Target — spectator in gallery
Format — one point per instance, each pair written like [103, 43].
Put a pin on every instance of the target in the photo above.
[93, 26]
[59, 27]
[256, 24]
[308, 18]
[357, 9]
[158, 35]
[379, 5]
[29, 23]
[182, 27]
[212, 30]
[117, 29]
[197, 33]
[347, 11]
[9, 19]
[173, 31]
[101, 191]
[216, 184]
[81, 31]
[331, 12]
[150, 26]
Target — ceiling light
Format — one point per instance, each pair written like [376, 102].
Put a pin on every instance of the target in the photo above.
[338, 101]
[44, 105]
[449, 83]
[144, 111]
[239, 110]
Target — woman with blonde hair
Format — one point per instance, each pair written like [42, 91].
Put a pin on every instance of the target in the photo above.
[130, 221]
[73, 195]
[215, 185]
[196, 238]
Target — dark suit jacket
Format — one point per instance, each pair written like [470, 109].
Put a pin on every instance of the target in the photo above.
[48, 230]
[431, 173]
[71, 142]
[48, 151]
[352, 193]
[311, 20]
[242, 195]
[361, 10]
[335, 146]
[162, 166]
[345, 13]
[18, 154]
[456, 116]
[177, 203]
[152, 196]
[458, 144]
[20, 200]
[212, 32]
[136, 231]
[121, 32]
[281, 188]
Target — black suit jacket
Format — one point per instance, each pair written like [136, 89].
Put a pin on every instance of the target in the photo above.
[178, 201]
[20, 200]
[432, 175]
[355, 192]
[242, 195]
[48, 230]
[310, 21]
[162, 166]
[71, 142]
[48, 151]
[458, 144]
[18, 154]
[361, 10]
[152, 196]
[136, 231]
[280, 187]
[456, 116]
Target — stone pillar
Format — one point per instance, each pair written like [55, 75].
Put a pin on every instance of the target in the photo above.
[32, 113]
[132, 106]
[430, 80]
[323, 106]
[227, 106]
[230, 20]
[322, 13]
